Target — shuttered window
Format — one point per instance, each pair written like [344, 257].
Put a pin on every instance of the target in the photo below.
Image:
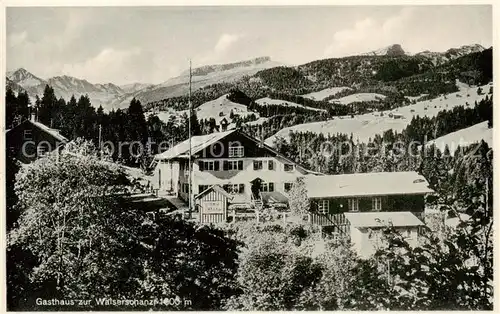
[353, 204]
[323, 206]
[377, 204]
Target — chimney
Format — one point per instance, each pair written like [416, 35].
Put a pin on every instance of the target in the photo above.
[33, 116]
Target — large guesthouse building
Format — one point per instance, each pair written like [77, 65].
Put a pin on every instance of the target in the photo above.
[232, 171]
[250, 171]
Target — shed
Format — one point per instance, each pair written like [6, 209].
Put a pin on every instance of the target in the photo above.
[212, 204]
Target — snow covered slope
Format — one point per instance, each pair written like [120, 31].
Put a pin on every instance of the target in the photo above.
[359, 97]
[322, 94]
[134, 87]
[218, 109]
[24, 78]
[365, 126]
[392, 50]
[221, 107]
[464, 137]
[438, 58]
[275, 102]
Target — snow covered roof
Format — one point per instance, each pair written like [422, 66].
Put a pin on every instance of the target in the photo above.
[55, 133]
[366, 184]
[198, 143]
[382, 219]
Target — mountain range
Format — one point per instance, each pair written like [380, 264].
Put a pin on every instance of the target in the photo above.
[112, 96]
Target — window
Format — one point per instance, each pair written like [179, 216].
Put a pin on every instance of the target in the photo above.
[288, 186]
[376, 203]
[235, 165]
[323, 206]
[267, 187]
[41, 150]
[353, 204]
[257, 164]
[232, 165]
[234, 188]
[288, 167]
[208, 165]
[270, 165]
[236, 151]
[28, 135]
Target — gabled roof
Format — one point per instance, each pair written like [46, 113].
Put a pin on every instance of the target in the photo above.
[53, 132]
[366, 184]
[216, 188]
[279, 155]
[198, 143]
[383, 219]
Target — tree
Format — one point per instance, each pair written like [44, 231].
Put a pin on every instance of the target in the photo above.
[196, 263]
[454, 273]
[10, 107]
[195, 126]
[47, 105]
[290, 268]
[298, 200]
[74, 225]
[79, 236]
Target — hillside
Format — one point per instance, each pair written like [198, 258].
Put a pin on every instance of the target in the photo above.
[439, 58]
[465, 137]
[327, 92]
[64, 86]
[392, 50]
[394, 75]
[202, 77]
[266, 101]
[216, 109]
[365, 126]
[359, 97]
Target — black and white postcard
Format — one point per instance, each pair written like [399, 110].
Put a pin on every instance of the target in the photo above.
[248, 157]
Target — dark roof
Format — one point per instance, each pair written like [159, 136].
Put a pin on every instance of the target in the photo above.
[53, 132]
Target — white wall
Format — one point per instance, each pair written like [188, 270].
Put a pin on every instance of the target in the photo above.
[366, 242]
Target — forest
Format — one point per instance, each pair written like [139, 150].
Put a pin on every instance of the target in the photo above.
[61, 249]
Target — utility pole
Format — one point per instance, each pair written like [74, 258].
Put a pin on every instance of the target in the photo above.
[189, 131]
[100, 132]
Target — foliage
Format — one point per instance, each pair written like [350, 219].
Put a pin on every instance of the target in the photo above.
[298, 200]
[290, 268]
[451, 274]
[16, 107]
[195, 263]
[80, 237]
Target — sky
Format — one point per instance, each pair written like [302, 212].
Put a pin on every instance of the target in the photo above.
[151, 44]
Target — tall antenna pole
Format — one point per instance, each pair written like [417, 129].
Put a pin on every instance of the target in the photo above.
[189, 130]
[100, 133]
